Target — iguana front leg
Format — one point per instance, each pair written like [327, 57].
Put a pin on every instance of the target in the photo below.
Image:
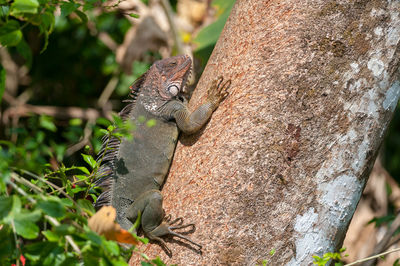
[191, 122]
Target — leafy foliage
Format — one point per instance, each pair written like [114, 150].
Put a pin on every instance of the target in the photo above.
[327, 257]
[44, 217]
[391, 151]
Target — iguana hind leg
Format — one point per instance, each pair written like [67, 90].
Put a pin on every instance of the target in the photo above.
[149, 204]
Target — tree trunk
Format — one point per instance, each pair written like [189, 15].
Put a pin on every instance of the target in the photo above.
[283, 161]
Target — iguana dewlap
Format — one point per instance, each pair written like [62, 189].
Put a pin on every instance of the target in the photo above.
[133, 171]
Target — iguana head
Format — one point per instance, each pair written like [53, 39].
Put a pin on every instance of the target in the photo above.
[164, 81]
[173, 73]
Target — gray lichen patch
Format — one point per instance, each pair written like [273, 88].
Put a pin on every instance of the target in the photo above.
[285, 157]
[366, 94]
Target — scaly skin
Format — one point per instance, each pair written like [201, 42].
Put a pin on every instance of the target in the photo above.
[136, 169]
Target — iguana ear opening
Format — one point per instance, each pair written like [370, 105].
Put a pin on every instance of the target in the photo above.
[173, 90]
[170, 91]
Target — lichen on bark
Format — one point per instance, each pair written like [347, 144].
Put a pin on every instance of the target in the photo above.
[283, 161]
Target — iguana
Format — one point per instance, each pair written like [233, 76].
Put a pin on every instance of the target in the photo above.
[133, 171]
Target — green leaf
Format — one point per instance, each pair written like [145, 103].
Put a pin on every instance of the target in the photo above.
[111, 247]
[64, 229]
[75, 122]
[103, 121]
[83, 169]
[81, 177]
[25, 224]
[89, 159]
[24, 6]
[26, 52]
[36, 250]
[103, 131]
[78, 189]
[87, 6]
[136, 224]
[2, 81]
[47, 22]
[93, 237]
[133, 15]
[46, 41]
[382, 220]
[111, 128]
[51, 236]
[70, 261]
[9, 207]
[67, 202]
[10, 33]
[144, 240]
[119, 262]
[52, 208]
[67, 8]
[157, 261]
[82, 16]
[46, 122]
[6, 204]
[86, 205]
[7, 245]
[4, 11]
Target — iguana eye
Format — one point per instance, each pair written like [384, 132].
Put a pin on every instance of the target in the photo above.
[172, 64]
[173, 89]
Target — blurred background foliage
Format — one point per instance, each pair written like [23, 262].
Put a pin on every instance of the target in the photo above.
[65, 66]
[391, 147]
[70, 54]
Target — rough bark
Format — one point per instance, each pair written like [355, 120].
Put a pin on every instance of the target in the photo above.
[283, 161]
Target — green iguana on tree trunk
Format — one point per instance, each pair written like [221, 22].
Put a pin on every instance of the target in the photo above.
[133, 171]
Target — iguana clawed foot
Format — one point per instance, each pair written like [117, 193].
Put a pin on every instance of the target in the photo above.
[167, 228]
[218, 91]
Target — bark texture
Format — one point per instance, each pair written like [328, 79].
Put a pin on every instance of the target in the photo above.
[283, 161]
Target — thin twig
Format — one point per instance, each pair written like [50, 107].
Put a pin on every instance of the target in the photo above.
[105, 38]
[63, 188]
[87, 132]
[55, 111]
[19, 101]
[52, 220]
[174, 30]
[373, 257]
[108, 90]
[27, 183]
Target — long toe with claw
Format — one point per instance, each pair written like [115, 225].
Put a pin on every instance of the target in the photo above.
[218, 91]
[168, 229]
